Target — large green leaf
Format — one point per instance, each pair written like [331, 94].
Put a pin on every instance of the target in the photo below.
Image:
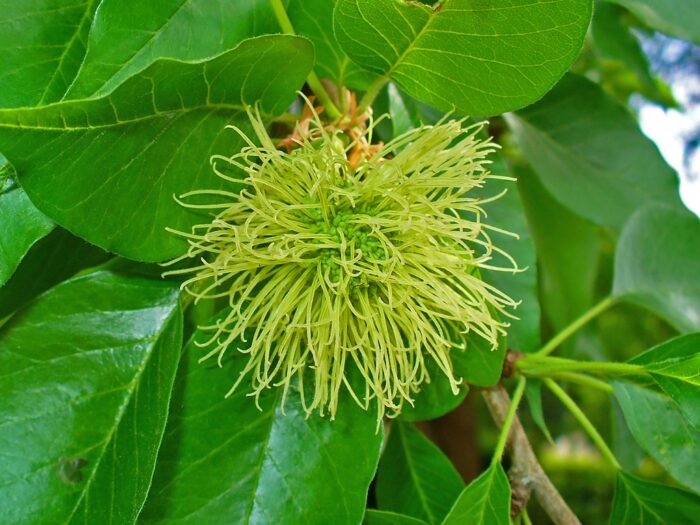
[658, 425]
[224, 460]
[415, 477]
[657, 264]
[314, 20]
[22, 226]
[85, 379]
[107, 169]
[53, 50]
[567, 252]
[485, 501]
[51, 260]
[675, 367]
[676, 17]
[638, 501]
[592, 156]
[129, 35]
[476, 56]
[43, 43]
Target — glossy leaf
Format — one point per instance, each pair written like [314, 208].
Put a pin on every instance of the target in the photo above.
[485, 501]
[658, 425]
[657, 263]
[22, 226]
[314, 20]
[638, 501]
[43, 43]
[675, 17]
[53, 50]
[51, 260]
[127, 36]
[675, 367]
[567, 252]
[478, 57]
[415, 477]
[593, 157]
[85, 378]
[436, 397]
[224, 460]
[107, 169]
[380, 517]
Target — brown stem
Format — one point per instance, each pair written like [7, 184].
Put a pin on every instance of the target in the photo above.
[525, 461]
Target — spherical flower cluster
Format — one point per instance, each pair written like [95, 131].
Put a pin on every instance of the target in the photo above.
[331, 265]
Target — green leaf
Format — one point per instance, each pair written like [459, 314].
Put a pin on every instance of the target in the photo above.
[485, 501]
[675, 367]
[314, 20]
[533, 392]
[51, 260]
[107, 169]
[592, 157]
[415, 477]
[480, 365]
[53, 51]
[658, 425]
[475, 56]
[380, 517]
[657, 263]
[567, 253]
[638, 501]
[127, 36]
[435, 398]
[43, 43]
[22, 225]
[675, 17]
[224, 460]
[85, 380]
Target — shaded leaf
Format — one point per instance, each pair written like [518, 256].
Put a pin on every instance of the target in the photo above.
[53, 259]
[659, 427]
[473, 56]
[485, 501]
[675, 17]
[85, 378]
[657, 263]
[614, 41]
[508, 213]
[107, 169]
[533, 392]
[567, 253]
[415, 477]
[592, 157]
[638, 501]
[22, 226]
[226, 461]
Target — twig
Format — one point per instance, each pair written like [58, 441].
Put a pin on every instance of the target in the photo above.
[525, 461]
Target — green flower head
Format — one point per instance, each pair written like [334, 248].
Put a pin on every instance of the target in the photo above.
[330, 264]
